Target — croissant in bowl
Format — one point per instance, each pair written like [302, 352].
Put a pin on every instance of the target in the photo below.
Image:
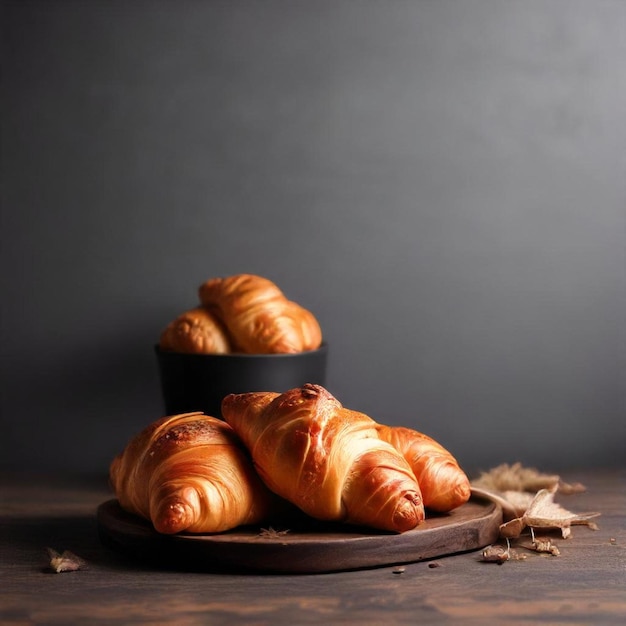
[245, 314]
[196, 331]
[259, 317]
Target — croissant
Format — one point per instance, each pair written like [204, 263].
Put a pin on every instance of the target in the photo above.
[189, 472]
[196, 331]
[326, 459]
[443, 483]
[258, 316]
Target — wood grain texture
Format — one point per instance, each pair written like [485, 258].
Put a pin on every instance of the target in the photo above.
[309, 547]
[584, 585]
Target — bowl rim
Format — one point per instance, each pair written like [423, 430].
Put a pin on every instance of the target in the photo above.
[323, 349]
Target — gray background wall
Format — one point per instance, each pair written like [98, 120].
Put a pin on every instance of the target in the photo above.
[442, 183]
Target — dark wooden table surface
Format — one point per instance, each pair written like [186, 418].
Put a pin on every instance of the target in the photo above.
[585, 584]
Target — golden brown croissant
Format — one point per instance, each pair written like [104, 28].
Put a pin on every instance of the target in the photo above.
[258, 316]
[191, 473]
[196, 331]
[326, 459]
[443, 483]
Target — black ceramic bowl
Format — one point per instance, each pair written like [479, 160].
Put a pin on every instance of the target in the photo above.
[199, 382]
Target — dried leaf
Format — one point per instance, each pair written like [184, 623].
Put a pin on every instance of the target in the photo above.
[518, 478]
[519, 500]
[543, 512]
[513, 528]
[544, 544]
[515, 477]
[514, 488]
[65, 562]
[569, 488]
[496, 554]
[499, 554]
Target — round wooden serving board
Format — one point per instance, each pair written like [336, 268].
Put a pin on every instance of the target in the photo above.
[304, 548]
